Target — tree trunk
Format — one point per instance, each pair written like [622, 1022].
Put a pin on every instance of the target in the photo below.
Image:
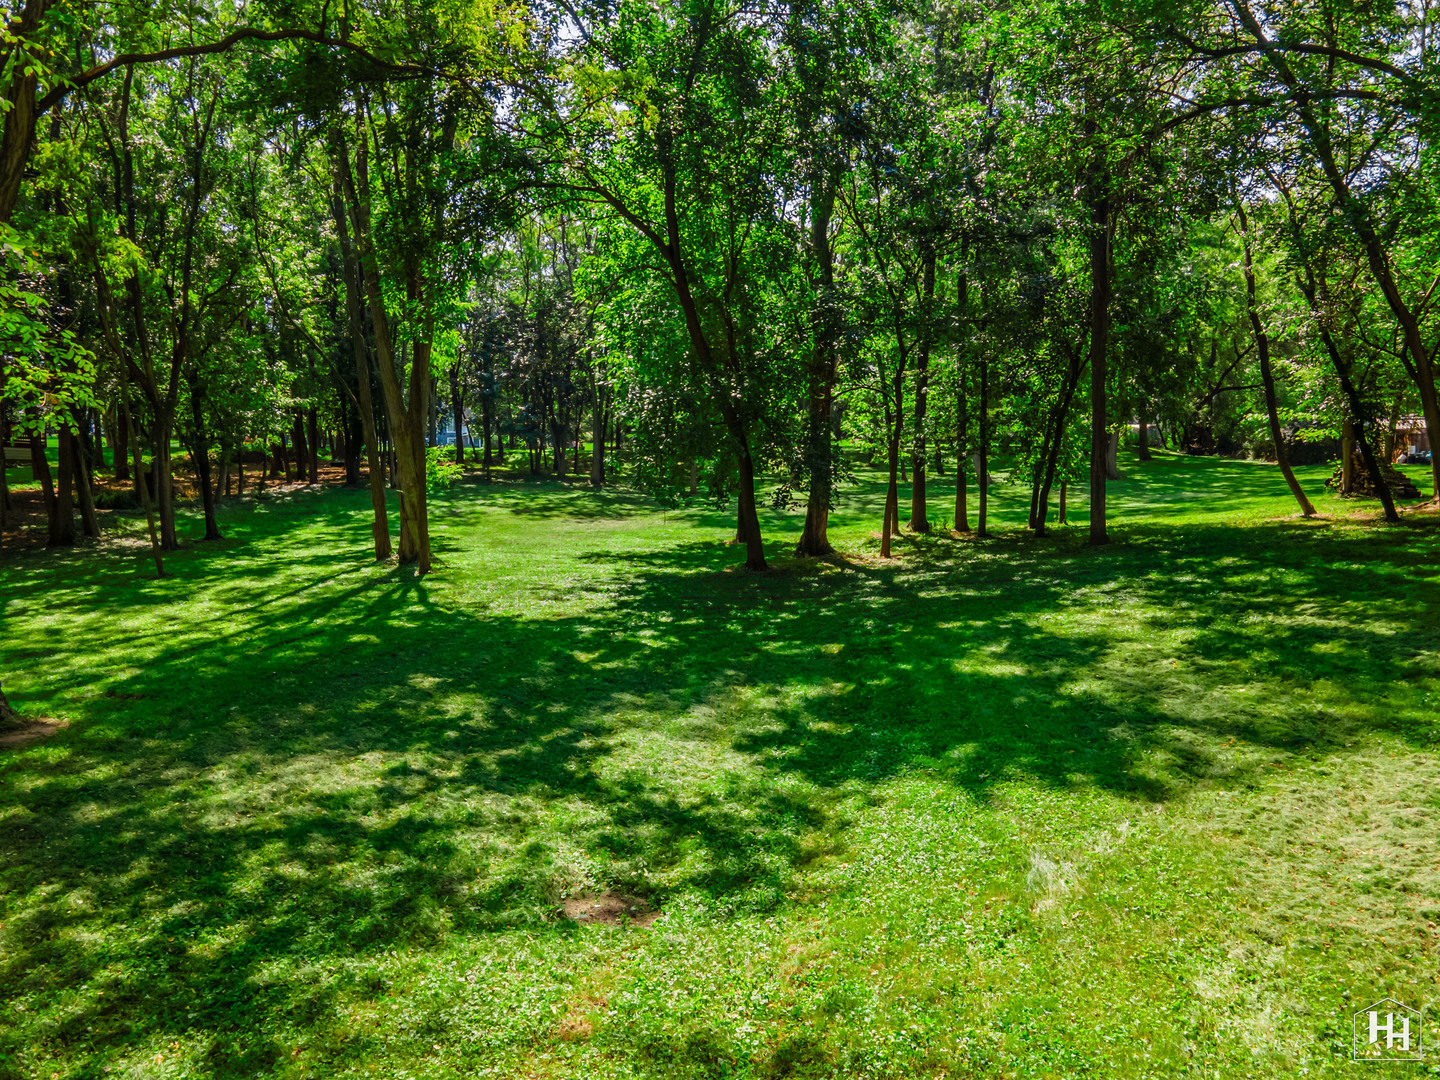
[1099, 196]
[9, 718]
[597, 449]
[457, 411]
[40, 467]
[140, 483]
[1056, 441]
[1357, 408]
[749, 518]
[919, 514]
[84, 491]
[20, 112]
[302, 450]
[407, 426]
[1356, 213]
[1267, 378]
[1347, 457]
[165, 484]
[1144, 439]
[122, 450]
[200, 449]
[982, 470]
[314, 444]
[355, 316]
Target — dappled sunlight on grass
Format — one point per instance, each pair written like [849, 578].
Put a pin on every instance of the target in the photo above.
[919, 816]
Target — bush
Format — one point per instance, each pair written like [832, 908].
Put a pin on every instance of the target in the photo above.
[116, 500]
[440, 469]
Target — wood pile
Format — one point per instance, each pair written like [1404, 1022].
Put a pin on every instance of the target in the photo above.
[1401, 486]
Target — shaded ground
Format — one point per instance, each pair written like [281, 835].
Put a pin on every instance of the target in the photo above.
[933, 816]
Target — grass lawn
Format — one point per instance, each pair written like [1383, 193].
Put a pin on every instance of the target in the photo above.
[999, 808]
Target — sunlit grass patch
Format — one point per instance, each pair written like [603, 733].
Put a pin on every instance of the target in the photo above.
[1002, 807]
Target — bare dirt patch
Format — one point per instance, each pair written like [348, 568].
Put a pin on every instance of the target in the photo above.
[31, 731]
[610, 909]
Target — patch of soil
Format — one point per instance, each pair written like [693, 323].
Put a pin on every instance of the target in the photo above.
[30, 732]
[610, 909]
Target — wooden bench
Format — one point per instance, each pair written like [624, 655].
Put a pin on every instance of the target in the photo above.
[17, 456]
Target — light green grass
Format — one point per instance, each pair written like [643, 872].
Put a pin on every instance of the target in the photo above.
[995, 808]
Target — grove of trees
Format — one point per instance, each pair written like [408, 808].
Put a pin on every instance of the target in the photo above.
[732, 248]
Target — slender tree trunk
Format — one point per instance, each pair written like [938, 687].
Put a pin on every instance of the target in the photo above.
[313, 443]
[165, 485]
[821, 378]
[1099, 183]
[1267, 378]
[1145, 454]
[122, 450]
[85, 494]
[1360, 222]
[407, 425]
[891, 524]
[982, 471]
[1357, 408]
[1347, 456]
[919, 514]
[749, 518]
[201, 452]
[140, 483]
[1057, 440]
[62, 524]
[302, 450]
[597, 427]
[365, 403]
[457, 411]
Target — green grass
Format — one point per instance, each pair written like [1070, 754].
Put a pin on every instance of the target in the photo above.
[997, 808]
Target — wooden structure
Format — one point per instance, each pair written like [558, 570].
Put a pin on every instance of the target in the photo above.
[1401, 486]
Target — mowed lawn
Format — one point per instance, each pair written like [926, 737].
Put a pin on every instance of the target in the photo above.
[1001, 808]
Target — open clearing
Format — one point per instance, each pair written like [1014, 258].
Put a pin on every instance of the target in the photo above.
[995, 808]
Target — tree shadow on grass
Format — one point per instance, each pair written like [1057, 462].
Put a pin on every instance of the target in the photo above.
[346, 765]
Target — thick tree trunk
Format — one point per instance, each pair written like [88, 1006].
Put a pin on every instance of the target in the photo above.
[1144, 439]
